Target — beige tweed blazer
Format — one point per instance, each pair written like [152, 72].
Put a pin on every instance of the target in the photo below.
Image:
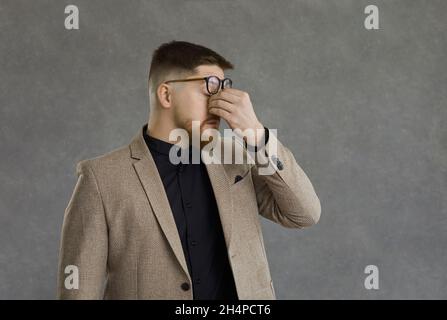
[120, 234]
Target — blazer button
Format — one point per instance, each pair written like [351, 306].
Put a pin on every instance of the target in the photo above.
[185, 286]
[279, 164]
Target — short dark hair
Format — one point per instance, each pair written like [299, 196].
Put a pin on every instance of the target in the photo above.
[182, 57]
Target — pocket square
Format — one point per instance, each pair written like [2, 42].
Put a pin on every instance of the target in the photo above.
[237, 178]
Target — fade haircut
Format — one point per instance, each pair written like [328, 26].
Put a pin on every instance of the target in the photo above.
[182, 58]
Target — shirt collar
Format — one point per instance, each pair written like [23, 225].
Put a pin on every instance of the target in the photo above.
[160, 146]
[155, 144]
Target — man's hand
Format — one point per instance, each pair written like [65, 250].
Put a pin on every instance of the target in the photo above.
[234, 106]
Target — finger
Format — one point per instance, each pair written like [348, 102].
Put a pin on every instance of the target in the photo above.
[223, 98]
[221, 113]
[222, 104]
[227, 96]
[234, 91]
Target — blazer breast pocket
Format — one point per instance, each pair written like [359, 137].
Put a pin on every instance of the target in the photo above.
[240, 179]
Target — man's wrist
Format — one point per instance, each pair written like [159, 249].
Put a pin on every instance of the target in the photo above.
[261, 144]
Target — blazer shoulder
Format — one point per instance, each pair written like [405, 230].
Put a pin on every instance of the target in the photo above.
[105, 160]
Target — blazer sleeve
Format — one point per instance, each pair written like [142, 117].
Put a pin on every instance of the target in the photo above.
[84, 240]
[284, 193]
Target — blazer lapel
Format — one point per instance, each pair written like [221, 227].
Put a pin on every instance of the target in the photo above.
[219, 181]
[150, 179]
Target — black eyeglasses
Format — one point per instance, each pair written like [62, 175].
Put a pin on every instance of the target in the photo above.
[213, 83]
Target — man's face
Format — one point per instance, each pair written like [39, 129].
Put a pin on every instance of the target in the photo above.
[190, 100]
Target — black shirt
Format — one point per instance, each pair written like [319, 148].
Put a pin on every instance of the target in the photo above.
[196, 215]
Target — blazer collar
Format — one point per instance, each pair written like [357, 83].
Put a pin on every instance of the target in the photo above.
[153, 186]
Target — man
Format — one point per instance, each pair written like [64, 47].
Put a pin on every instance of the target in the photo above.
[139, 226]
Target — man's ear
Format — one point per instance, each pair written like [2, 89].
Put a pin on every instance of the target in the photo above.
[164, 95]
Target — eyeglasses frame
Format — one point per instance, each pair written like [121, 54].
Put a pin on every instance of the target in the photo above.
[221, 82]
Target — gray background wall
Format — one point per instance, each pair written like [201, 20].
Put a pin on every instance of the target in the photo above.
[364, 113]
